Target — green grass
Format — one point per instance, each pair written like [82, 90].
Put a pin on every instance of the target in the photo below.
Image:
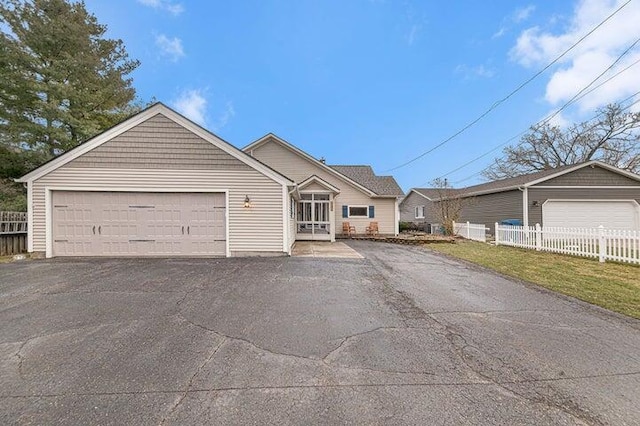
[614, 286]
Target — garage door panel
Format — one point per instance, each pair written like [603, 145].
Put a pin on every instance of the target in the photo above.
[613, 214]
[138, 224]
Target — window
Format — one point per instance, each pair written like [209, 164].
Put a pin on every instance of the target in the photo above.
[358, 211]
[419, 212]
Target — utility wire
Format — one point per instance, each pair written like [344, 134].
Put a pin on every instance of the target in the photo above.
[510, 139]
[577, 95]
[517, 89]
[546, 120]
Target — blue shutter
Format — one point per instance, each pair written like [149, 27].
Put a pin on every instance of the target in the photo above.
[345, 211]
[371, 212]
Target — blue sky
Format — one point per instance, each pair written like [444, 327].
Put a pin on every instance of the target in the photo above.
[374, 81]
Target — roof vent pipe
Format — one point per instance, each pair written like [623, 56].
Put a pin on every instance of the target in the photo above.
[322, 160]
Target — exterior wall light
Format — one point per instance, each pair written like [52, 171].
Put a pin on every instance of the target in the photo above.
[247, 202]
[535, 203]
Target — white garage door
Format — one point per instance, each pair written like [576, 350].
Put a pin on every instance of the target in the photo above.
[138, 224]
[591, 214]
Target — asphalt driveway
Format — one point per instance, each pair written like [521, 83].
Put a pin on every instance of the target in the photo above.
[402, 336]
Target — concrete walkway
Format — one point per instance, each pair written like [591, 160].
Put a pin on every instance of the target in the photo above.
[324, 249]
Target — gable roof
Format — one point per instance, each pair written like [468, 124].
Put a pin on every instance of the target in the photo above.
[535, 178]
[383, 184]
[140, 117]
[525, 180]
[365, 176]
[428, 193]
[315, 179]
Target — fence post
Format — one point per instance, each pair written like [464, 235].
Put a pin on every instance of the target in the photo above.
[497, 234]
[453, 227]
[468, 231]
[602, 244]
[538, 237]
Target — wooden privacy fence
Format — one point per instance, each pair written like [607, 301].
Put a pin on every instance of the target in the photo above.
[471, 231]
[13, 233]
[621, 245]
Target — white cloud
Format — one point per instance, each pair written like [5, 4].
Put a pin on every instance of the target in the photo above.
[171, 47]
[171, 7]
[536, 48]
[224, 118]
[474, 72]
[516, 17]
[193, 105]
[411, 37]
[523, 13]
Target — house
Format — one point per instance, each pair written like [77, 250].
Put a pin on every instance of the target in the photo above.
[582, 195]
[158, 184]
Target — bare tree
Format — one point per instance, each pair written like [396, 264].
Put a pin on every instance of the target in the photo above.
[449, 205]
[613, 138]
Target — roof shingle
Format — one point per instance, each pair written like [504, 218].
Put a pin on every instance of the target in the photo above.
[364, 175]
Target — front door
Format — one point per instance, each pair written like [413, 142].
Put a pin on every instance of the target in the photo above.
[313, 221]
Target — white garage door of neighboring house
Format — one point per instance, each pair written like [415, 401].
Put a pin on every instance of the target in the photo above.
[138, 224]
[623, 214]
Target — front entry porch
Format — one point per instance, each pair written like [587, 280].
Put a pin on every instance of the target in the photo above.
[314, 221]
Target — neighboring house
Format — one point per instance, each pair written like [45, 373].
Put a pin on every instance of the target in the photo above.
[582, 195]
[418, 208]
[158, 184]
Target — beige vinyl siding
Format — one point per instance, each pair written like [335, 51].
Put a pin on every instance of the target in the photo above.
[541, 194]
[491, 208]
[591, 176]
[158, 143]
[314, 186]
[408, 210]
[256, 229]
[298, 168]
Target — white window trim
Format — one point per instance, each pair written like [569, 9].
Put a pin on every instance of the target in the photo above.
[416, 212]
[349, 215]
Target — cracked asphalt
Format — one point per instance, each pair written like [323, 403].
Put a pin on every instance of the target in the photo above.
[403, 336]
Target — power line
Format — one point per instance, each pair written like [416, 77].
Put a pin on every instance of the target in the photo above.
[579, 96]
[517, 89]
[510, 139]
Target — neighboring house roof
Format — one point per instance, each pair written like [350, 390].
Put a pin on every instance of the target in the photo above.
[535, 178]
[365, 176]
[140, 117]
[387, 185]
[516, 182]
[429, 193]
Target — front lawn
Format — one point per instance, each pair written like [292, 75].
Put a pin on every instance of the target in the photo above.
[613, 286]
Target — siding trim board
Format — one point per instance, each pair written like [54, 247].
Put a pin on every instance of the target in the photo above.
[48, 197]
[29, 217]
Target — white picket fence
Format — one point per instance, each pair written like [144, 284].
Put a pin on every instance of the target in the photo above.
[620, 245]
[471, 231]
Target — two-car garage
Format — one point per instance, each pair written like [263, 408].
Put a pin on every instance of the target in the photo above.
[86, 223]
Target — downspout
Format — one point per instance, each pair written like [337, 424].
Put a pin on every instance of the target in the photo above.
[525, 205]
